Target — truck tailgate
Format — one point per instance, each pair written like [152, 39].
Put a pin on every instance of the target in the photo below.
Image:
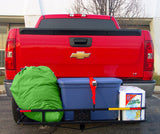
[108, 55]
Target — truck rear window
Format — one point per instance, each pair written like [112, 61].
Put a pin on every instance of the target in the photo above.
[77, 24]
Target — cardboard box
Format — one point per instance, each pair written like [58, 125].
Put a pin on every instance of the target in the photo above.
[130, 96]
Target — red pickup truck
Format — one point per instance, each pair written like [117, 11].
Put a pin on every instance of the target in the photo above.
[82, 46]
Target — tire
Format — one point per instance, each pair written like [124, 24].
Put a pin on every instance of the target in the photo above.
[16, 114]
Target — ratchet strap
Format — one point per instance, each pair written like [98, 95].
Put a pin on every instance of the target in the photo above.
[93, 85]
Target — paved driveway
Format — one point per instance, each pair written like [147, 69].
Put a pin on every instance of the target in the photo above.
[151, 126]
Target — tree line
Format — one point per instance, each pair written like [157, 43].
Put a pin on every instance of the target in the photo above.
[118, 8]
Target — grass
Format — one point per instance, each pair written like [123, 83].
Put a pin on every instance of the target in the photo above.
[2, 79]
[155, 77]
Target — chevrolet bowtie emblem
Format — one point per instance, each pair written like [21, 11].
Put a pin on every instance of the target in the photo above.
[80, 55]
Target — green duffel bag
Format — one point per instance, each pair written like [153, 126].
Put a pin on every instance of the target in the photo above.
[36, 88]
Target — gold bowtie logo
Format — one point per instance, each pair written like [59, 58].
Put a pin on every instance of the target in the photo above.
[80, 55]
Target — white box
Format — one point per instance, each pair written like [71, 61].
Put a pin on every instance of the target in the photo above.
[130, 96]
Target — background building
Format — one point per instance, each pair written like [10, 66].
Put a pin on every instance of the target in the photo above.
[6, 23]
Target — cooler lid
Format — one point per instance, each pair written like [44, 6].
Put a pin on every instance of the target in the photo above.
[108, 80]
[84, 81]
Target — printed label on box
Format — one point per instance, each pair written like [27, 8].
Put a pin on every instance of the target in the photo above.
[133, 100]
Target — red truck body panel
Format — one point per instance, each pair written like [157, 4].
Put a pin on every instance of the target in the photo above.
[112, 56]
[109, 56]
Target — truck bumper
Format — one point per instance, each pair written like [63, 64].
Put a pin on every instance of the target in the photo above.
[7, 85]
[148, 86]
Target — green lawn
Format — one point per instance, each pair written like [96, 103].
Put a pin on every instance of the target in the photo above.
[2, 79]
[155, 77]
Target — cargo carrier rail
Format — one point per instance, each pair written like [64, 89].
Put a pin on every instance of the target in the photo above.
[81, 116]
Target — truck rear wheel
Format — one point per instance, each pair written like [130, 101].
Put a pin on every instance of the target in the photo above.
[16, 114]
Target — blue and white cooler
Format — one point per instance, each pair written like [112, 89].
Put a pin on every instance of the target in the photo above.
[76, 93]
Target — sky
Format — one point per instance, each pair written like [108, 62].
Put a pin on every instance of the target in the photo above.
[21, 7]
[150, 7]
[11, 7]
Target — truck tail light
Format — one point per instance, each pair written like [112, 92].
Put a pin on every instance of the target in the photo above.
[149, 56]
[10, 57]
[77, 15]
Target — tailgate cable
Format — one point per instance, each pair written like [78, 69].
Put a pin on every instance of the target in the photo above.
[93, 85]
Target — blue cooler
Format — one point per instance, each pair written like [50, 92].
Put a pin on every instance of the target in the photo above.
[76, 94]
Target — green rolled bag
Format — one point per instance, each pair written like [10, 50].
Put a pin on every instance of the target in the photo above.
[36, 88]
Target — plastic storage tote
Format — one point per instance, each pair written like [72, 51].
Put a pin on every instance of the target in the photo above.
[76, 94]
